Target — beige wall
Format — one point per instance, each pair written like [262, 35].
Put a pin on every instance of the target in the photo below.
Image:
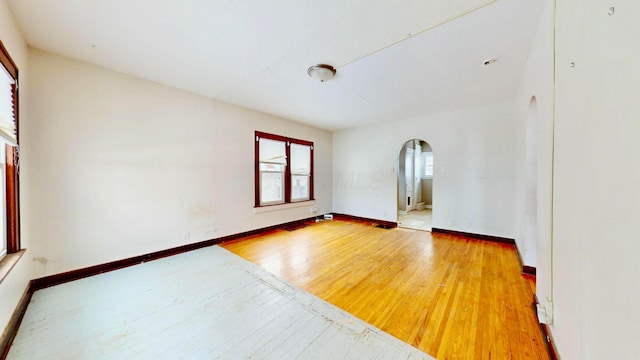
[126, 166]
[427, 188]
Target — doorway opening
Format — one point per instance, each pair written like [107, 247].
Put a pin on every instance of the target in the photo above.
[415, 185]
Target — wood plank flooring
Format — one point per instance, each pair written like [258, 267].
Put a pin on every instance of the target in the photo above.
[452, 297]
[416, 220]
[204, 304]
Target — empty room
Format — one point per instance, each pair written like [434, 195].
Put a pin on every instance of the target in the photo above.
[214, 179]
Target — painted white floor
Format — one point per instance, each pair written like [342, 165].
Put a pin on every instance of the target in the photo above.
[416, 219]
[204, 304]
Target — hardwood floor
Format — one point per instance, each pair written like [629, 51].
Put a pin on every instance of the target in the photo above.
[452, 297]
[203, 304]
[531, 281]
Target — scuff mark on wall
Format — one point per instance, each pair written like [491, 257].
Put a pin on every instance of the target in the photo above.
[41, 260]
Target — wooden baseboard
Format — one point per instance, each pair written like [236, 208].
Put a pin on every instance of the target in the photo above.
[526, 269]
[546, 333]
[375, 222]
[261, 231]
[551, 345]
[529, 270]
[11, 329]
[492, 238]
[61, 278]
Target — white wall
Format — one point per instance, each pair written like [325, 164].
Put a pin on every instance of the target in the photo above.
[537, 80]
[596, 212]
[473, 184]
[122, 166]
[12, 287]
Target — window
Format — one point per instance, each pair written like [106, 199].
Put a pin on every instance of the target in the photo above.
[427, 165]
[284, 170]
[9, 223]
[3, 226]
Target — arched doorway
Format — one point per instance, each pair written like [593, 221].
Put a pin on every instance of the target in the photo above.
[415, 185]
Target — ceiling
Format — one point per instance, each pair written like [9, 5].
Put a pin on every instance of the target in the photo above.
[392, 61]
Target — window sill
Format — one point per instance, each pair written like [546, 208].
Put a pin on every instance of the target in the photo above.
[262, 209]
[8, 262]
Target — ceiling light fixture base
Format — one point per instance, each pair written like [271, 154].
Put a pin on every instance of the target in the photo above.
[322, 72]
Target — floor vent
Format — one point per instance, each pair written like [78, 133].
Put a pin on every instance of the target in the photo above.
[382, 226]
[294, 227]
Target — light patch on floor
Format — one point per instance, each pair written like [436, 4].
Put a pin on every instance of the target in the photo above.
[204, 304]
[416, 219]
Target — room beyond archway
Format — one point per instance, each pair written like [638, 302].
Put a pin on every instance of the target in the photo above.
[415, 185]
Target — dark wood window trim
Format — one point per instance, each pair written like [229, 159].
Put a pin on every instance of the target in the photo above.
[12, 173]
[287, 174]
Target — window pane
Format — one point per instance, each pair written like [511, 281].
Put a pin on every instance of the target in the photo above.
[271, 188]
[272, 151]
[271, 167]
[427, 159]
[299, 187]
[7, 120]
[300, 159]
[3, 201]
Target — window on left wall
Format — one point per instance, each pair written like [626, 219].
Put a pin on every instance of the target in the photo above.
[9, 204]
[283, 169]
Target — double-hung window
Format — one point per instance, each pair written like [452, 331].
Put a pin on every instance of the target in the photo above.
[283, 169]
[427, 165]
[9, 209]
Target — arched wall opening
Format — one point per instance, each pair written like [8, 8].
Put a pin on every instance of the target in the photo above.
[415, 185]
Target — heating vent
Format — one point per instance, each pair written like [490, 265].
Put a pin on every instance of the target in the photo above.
[295, 226]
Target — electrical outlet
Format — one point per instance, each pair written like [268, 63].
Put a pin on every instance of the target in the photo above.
[314, 209]
[186, 235]
[548, 311]
[542, 314]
